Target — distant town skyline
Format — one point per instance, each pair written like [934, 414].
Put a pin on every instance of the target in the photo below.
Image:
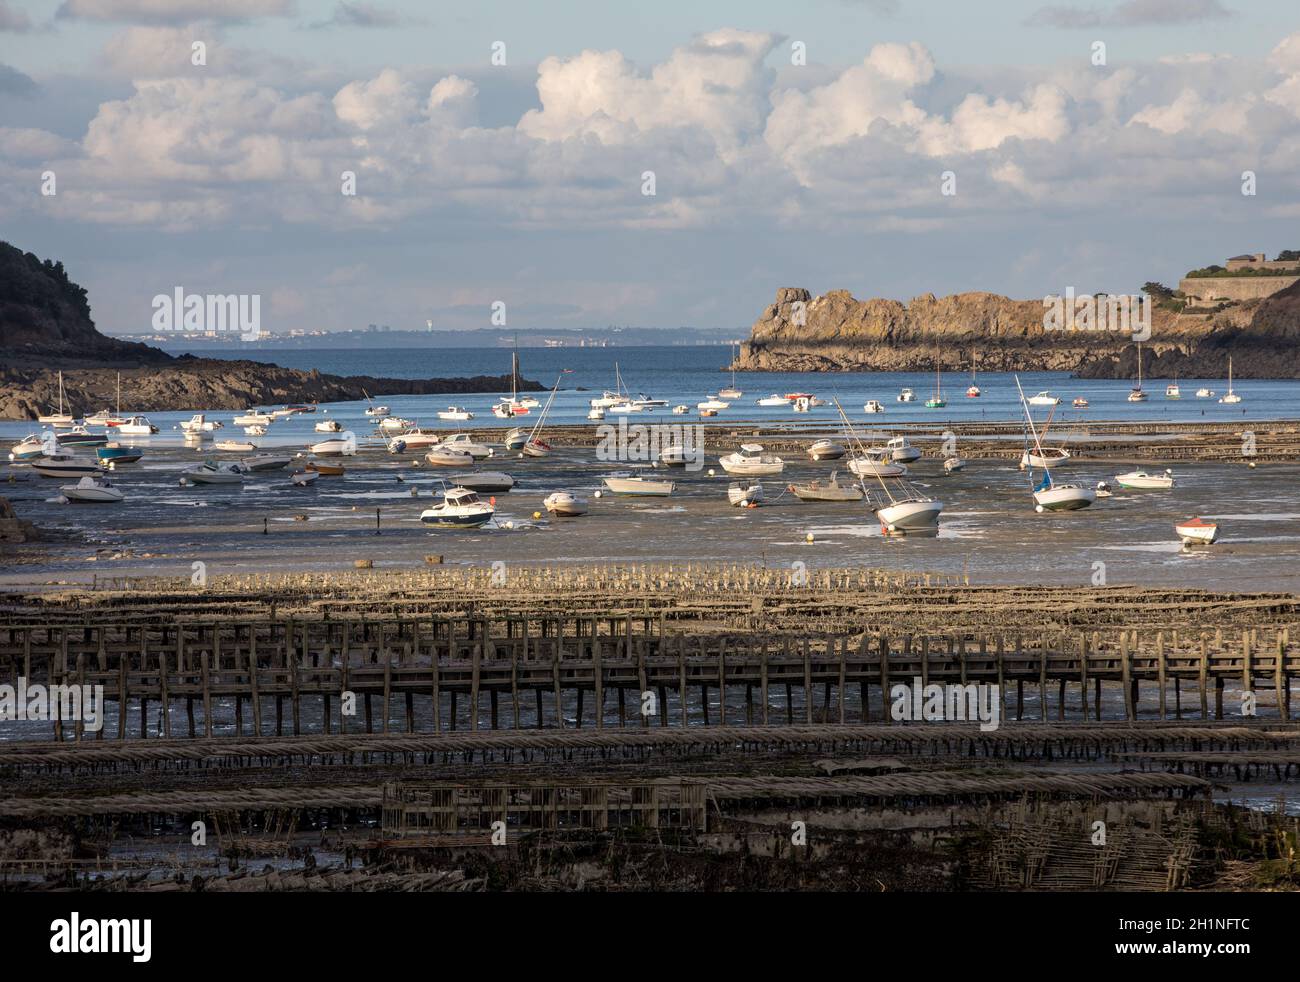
[396, 163]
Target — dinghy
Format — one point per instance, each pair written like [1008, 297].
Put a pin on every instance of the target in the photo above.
[1197, 532]
[92, 489]
[565, 503]
[831, 490]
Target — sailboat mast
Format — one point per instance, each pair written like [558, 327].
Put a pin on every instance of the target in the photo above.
[1037, 443]
[858, 445]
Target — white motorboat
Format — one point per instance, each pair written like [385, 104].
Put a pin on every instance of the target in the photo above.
[303, 478]
[199, 424]
[826, 450]
[681, 410]
[254, 431]
[1197, 532]
[907, 395]
[801, 405]
[1136, 394]
[678, 455]
[104, 417]
[33, 445]
[212, 472]
[488, 482]
[712, 402]
[464, 443]
[624, 407]
[328, 426]
[1080, 403]
[446, 457]
[606, 400]
[1205, 393]
[343, 445]
[1230, 397]
[516, 438]
[751, 461]
[508, 409]
[92, 489]
[645, 402]
[284, 413]
[116, 453]
[953, 464]
[831, 490]
[59, 420]
[529, 402]
[266, 462]
[395, 424]
[137, 426]
[1050, 496]
[1172, 391]
[65, 465]
[774, 400]
[459, 508]
[417, 439]
[254, 417]
[873, 406]
[565, 503]
[234, 446]
[596, 412]
[910, 512]
[455, 413]
[1044, 398]
[745, 493]
[1044, 457]
[639, 486]
[899, 449]
[1141, 480]
[876, 465]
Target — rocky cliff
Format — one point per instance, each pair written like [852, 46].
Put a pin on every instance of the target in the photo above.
[836, 332]
[45, 326]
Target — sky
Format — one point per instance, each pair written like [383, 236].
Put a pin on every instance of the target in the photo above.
[586, 163]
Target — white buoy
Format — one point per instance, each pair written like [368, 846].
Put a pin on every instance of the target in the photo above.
[596, 494]
[711, 472]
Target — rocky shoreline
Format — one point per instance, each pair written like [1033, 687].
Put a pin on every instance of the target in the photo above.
[207, 384]
[839, 333]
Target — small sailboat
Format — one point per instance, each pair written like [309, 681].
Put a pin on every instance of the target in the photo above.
[743, 494]
[899, 506]
[936, 401]
[1230, 397]
[61, 419]
[508, 408]
[373, 411]
[731, 392]
[566, 504]
[1048, 495]
[1136, 394]
[460, 508]
[1197, 532]
[93, 489]
[535, 446]
[972, 390]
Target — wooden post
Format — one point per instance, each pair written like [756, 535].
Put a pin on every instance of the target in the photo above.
[1204, 670]
[884, 678]
[762, 678]
[597, 671]
[207, 694]
[1125, 677]
[1279, 679]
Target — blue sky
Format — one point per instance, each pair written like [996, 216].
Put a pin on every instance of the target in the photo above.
[523, 182]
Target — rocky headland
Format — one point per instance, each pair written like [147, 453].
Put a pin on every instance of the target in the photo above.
[45, 327]
[838, 333]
